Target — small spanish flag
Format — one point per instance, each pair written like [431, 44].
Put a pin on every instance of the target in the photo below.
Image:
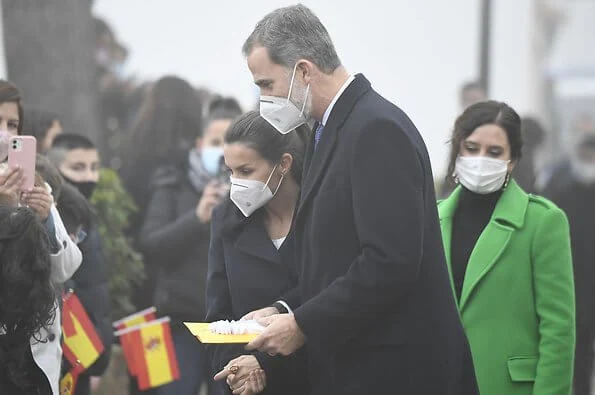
[68, 382]
[81, 344]
[153, 352]
[132, 320]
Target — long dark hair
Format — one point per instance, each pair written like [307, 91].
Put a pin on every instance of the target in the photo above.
[485, 113]
[9, 93]
[37, 123]
[255, 132]
[27, 297]
[169, 119]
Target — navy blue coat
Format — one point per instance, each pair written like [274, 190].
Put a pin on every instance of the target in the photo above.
[246, 272]
[378, 310]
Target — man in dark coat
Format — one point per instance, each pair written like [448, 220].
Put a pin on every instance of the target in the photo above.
[377, 313]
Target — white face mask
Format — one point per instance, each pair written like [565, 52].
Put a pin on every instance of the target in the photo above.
[281, 113]
[480, 174]
[250, 195]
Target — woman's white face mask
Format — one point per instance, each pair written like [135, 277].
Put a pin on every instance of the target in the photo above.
[250, 195]
[481, 174]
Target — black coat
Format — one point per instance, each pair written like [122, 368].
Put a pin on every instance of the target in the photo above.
[379, 313]
[176, 244]
[90, 283]
[578, 202]
[247, 272]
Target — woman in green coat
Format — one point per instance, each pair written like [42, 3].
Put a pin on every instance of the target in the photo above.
[509, 259]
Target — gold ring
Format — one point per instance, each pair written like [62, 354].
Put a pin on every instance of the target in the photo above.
[234, 369]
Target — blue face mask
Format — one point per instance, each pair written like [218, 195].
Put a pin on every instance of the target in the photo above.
[211, 159]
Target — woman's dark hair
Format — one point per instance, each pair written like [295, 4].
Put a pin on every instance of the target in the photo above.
[50, 174]
[10, 94]
[222, 108]
[486, 113]
[74, 209]
[36, 123]
[27, 297]
[255, 132]
[167, 126]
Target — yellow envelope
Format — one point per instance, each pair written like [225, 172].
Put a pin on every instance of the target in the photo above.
[202, 332]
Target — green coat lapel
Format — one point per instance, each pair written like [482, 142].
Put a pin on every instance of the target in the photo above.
[446, 211]
[508, 215]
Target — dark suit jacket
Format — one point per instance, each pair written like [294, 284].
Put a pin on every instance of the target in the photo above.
[379, 314]
[246, 272]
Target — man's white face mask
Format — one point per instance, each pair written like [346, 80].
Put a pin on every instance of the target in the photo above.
[281, 113]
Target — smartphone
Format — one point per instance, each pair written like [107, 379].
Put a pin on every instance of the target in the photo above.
[22, 151]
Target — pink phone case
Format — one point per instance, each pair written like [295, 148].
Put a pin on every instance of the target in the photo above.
[22, 151]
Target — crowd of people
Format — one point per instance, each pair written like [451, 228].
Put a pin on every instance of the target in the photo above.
[314, 214]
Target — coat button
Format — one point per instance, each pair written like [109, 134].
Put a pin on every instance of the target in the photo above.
[51, 337]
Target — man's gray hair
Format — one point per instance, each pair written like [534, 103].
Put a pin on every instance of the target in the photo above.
[293, 33]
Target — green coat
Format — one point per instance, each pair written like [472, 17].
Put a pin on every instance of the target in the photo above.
[517, 301]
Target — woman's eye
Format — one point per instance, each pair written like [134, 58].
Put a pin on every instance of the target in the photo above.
[13, 125]
[471, 149]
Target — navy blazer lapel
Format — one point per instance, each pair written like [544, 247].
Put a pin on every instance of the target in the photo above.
[320, 156]
[254, 240]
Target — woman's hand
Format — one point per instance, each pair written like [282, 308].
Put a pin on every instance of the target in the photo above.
[39, 200]
[255, 383]
[10, 185]
[210, 198]
[239, 377]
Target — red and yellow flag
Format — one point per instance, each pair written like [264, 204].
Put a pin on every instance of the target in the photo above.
[81, 344]
[153, 353]
[68, 382]
[130, 321]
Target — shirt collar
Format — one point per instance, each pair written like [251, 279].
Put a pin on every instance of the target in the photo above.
[327, 113]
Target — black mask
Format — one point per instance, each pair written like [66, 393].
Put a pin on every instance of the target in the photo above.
[86, 188]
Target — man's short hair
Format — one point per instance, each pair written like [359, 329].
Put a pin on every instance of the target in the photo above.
[293, 33]
[71, 141]
[66, 142]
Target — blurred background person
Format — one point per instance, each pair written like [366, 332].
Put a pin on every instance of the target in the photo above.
[175, 241]
[575, 194]
[27, 299]
[165, 130]
[44, 126]
[471, 92]
[77, 159]
[251, 253]
[509, 257]
[525, 173]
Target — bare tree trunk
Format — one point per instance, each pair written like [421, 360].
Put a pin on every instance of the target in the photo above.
[49, 48]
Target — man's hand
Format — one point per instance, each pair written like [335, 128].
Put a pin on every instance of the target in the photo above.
[282, 335]
[261, 313]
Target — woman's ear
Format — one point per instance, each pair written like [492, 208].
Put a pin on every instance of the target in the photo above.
[286, 163]
[512, 165]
